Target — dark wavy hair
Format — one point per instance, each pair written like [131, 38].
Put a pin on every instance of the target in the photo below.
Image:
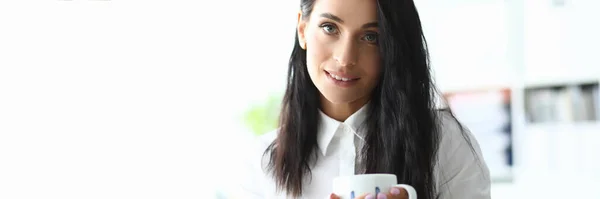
[402, 129]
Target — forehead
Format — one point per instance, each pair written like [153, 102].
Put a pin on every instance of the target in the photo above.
[351, 11]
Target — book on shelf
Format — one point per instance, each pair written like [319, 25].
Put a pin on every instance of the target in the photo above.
[562, 104]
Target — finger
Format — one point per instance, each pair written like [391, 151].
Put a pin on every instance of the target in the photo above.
[397, 193]
[365, 196]
[333, 196]
[372, 196]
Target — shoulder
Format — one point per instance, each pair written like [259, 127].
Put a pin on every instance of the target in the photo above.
[258, 152]
[455, 138]
[261, 149]
[453, 134]
[253, 179]
[460, 165]
[451, 130]
[268, 138]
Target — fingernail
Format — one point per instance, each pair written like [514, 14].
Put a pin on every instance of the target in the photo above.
[370, 196]
[395, 191]
[381, 196]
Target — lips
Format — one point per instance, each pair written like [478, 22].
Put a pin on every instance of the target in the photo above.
[341, 80]
[341, 76]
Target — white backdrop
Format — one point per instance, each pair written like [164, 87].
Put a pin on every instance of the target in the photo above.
[131, 99]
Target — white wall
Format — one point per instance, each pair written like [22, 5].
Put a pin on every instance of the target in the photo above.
[468, 44]
[130, 99]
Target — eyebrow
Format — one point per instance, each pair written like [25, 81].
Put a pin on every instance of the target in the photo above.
[332, 17]
[370, 25]
[339, 20]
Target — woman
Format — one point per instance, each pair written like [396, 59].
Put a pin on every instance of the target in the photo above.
[360, 99]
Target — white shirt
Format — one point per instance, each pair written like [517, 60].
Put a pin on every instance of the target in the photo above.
[460, 173]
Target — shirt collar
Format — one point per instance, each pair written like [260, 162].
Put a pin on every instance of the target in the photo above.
[329, 126]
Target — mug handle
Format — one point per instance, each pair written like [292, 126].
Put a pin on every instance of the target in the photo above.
[412, 193]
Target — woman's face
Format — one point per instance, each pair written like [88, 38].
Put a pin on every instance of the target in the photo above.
[341, 42]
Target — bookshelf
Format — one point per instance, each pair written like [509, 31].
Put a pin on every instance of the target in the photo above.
[553, 125]
[553, 77]
[548, 59]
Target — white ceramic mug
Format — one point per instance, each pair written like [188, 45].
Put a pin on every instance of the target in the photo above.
[347, 187]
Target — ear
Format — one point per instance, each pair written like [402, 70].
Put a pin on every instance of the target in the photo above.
[301, 28]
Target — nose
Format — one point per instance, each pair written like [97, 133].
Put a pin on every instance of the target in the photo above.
[346, 53]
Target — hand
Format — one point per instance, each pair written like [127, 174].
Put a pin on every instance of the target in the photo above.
[395, 193]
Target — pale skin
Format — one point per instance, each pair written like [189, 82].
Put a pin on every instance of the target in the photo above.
[340, 38]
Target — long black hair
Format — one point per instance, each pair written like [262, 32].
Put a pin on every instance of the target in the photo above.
[402, 127]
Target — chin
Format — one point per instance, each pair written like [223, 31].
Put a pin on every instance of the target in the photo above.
[340, 98]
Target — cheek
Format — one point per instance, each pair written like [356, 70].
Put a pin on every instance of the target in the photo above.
[317, 52]
[371, 60]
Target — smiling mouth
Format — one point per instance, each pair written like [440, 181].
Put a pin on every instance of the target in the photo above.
[341, 78]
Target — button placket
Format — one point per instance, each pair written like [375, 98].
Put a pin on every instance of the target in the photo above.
[348, 155]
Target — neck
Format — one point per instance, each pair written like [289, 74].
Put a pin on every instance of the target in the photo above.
[341, 111]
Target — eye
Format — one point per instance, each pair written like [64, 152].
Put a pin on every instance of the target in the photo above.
[329, 28]
[371, 38]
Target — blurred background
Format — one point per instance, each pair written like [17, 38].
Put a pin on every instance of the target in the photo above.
[154, 99]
